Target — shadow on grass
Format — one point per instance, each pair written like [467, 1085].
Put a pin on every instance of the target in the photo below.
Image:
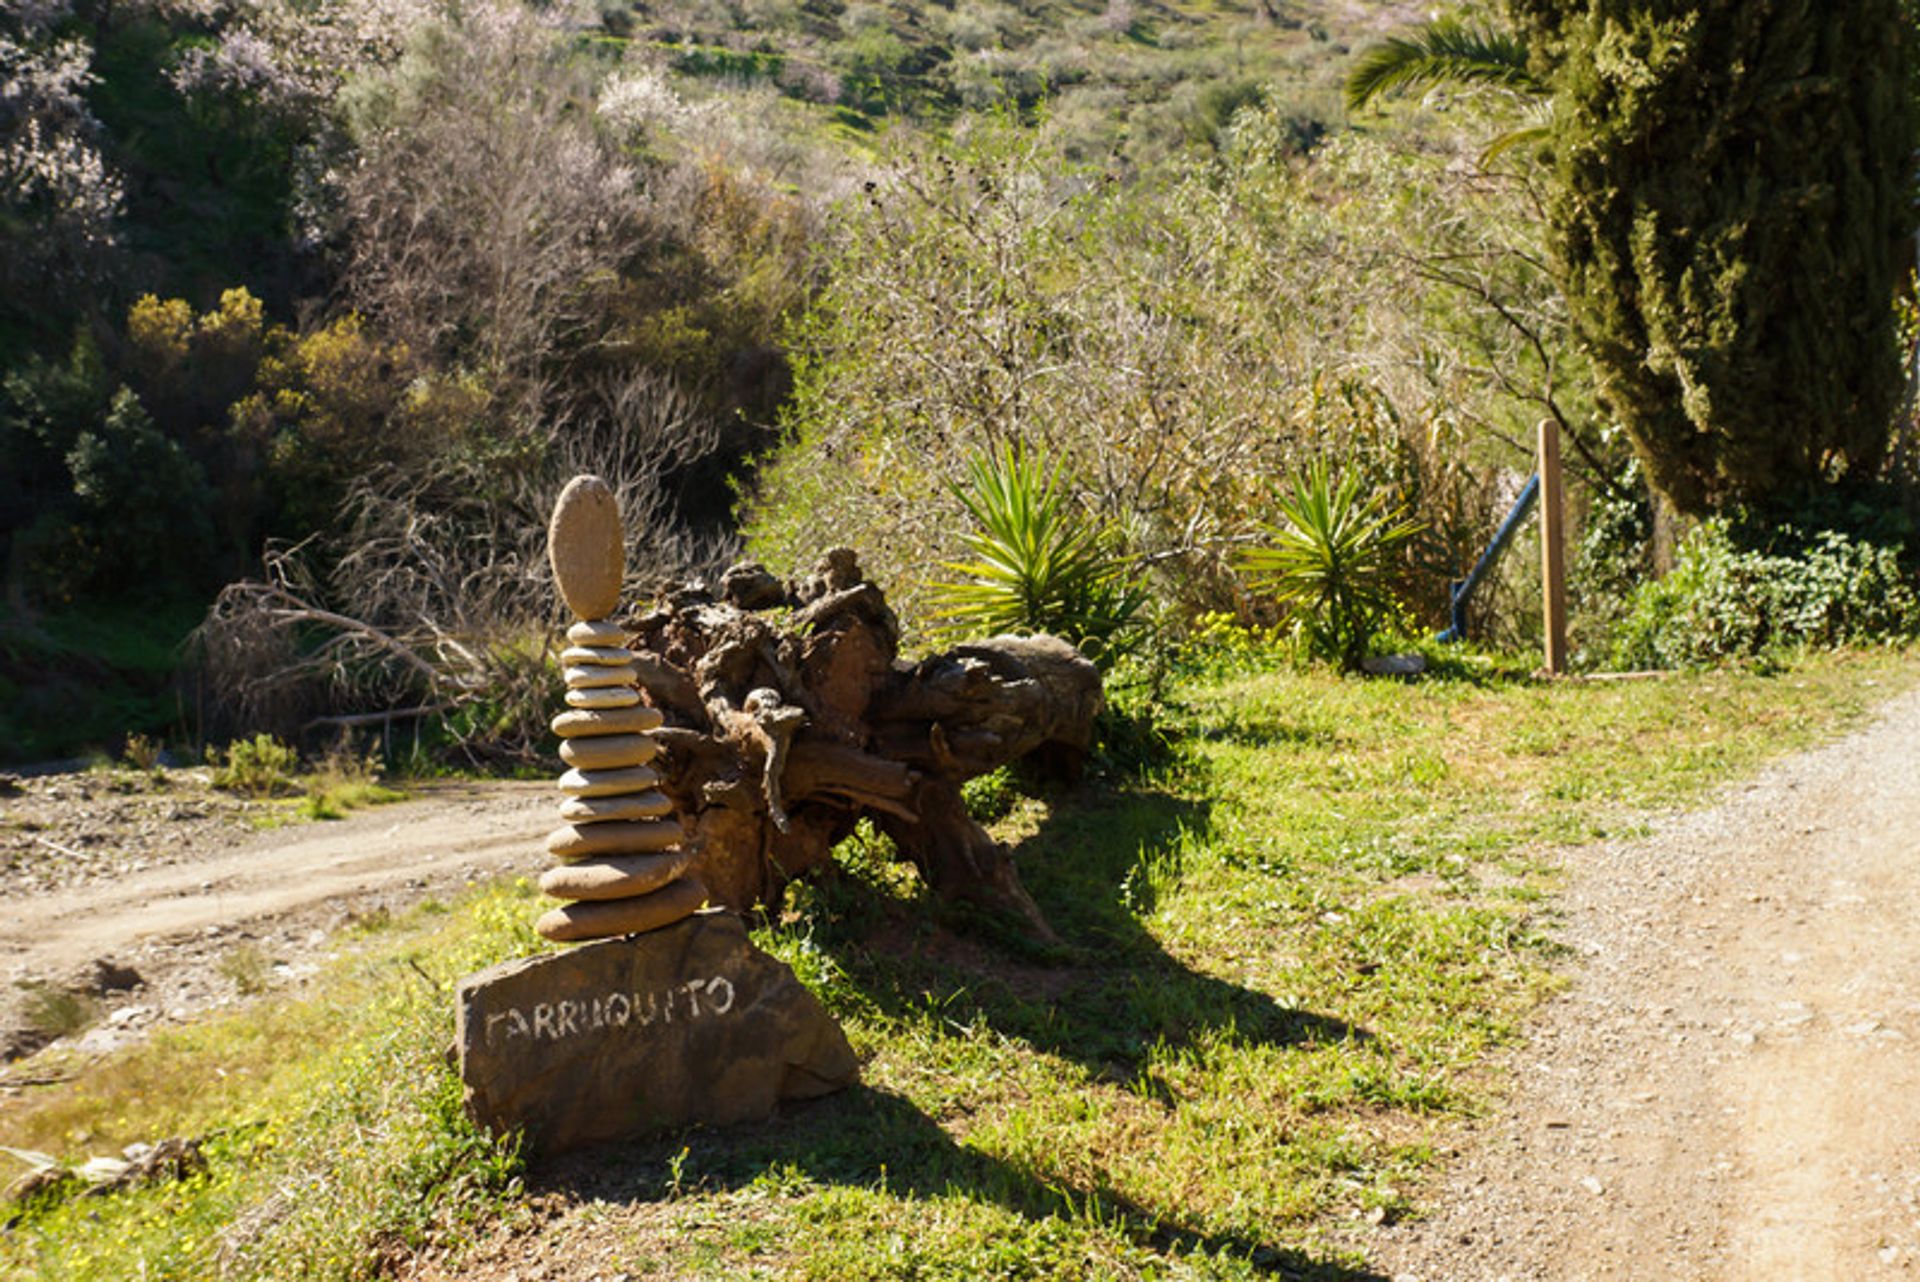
[865, 1138]
[1110, 993]
[1104, 998]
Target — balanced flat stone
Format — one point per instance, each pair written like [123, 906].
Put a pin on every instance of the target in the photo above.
[593, 677]
[597, 632]
[604, 697]
[614, 837]
[585, 919]
[609, 752]
[586, 548]
[608, 783]
[614, 1040]
[634, 805]
[604, 655]
[614, 876]
[583, 722]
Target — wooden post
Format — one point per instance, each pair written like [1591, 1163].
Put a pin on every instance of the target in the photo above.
[1553, 548]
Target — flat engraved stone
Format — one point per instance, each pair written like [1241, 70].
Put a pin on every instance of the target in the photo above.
[614, 837]
[583, 722]
[585, 919]
[611, 1041]
[609, 752]
[586, 547]
[589, 676]
[598, 633]
[609, 656]
[635, 805]
[604, 697]
[608, 783]
[614, 876]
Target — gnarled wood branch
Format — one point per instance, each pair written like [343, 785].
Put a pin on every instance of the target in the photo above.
[782, 734]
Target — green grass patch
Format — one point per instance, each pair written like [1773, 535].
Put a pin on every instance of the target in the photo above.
[1288, 950]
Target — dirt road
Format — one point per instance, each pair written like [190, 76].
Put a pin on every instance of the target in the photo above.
[1730, 1088]
[280, 892]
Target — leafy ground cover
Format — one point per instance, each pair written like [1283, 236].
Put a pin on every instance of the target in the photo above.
[1293, 937]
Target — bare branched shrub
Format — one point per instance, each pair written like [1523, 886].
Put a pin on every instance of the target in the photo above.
[483, 209]
[563, 303]
[1177, 352]
[442, 599]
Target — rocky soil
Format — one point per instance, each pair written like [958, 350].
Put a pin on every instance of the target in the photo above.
[128, 900]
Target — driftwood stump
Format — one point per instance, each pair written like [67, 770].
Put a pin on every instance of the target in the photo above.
[789, 717]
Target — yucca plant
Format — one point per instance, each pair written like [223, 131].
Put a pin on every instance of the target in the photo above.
[1038, 564]
[1330, 563]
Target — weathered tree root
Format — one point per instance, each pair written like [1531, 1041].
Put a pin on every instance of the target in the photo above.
[782, 732]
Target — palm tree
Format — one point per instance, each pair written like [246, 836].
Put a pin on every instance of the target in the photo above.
[1446, 51]
[1454, 53]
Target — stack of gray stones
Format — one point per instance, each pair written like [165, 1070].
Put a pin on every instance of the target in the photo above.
[621, 865]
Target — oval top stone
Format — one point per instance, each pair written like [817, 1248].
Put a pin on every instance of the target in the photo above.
[586, 547]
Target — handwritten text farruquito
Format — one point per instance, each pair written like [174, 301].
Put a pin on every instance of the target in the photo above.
[553, 1021]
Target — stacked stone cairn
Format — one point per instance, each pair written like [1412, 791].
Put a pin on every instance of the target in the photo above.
[622, 867]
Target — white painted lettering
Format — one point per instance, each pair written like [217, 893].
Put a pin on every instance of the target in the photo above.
[558, 1020]
[516, 1023]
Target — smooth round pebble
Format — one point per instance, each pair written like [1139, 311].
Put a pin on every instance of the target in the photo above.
[597, 634]
[589, 677]
[606, 656]
[584, 723]
[614, 876]
[587, 548]
[608, 752]
[586, 919]
[634, 805]
[603, 697]
[608, 783]
[618, 837]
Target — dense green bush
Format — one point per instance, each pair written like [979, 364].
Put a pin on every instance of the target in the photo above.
[1039, 563]
[1724, 600]
[258, 767]
[1732, 202]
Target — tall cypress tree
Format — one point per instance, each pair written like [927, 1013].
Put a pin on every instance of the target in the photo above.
[1733, 195]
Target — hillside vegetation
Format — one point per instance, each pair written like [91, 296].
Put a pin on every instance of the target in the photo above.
[1149, 325]
[309, 308]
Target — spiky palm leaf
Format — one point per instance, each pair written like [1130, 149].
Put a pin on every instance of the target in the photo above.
[1446, 51]
[1038, 564]
[1330, 562]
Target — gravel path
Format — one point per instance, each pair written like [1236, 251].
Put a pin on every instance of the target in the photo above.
[1730, 1087]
